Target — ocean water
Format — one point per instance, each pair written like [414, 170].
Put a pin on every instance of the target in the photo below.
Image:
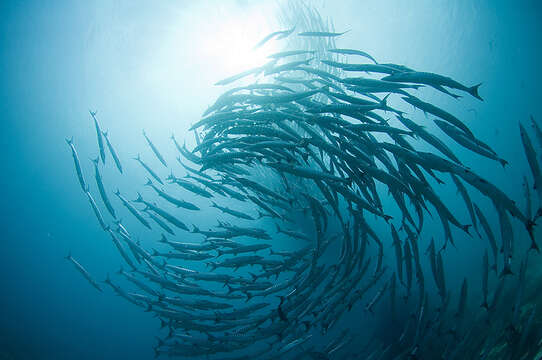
[152, 66]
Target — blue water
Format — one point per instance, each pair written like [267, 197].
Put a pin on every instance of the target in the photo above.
[141, 65]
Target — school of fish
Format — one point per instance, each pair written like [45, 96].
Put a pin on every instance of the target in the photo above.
[318, 144]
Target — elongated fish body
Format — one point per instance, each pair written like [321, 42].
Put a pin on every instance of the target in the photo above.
[194, 171]
[159, 221]
[353, 52]
[485, 276]
[238, 214]
[243, 249]
[433, 79]
[140, 284]
[149, 170]
[119, 291]
[462, 299]
[96, 210]
[290, 53]
[468, 142]
[488, 231]
[321, 33]
[119, 247]
[276, 34]
[99, 135]
[101, 189]
[466, 199]
[77, 165]
[528, 201]
[533, 161]
[429, 138]
[408, 266]
[190, 186]
[444, 115]
[167, 216]
[84, 272]
[507, 236]
[112, 151]
[154, 149]
[133, 210]
[171, 199]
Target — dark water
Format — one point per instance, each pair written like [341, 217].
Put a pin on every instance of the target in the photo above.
[152, 66]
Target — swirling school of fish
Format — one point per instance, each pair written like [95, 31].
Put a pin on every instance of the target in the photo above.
[324, 157]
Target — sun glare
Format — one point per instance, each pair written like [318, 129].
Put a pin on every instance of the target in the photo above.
[232, 42]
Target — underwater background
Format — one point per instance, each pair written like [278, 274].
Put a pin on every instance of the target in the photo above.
[152, 66]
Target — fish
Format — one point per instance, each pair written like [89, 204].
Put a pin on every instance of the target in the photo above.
[290, 53]
[133, 210]
[173, 200]
[149, 170]
[112, 151]
[159, 221]
[154, 149]
[237, 214]
[533, 162]
[77, 164]
[321, 33]
[101, 188]
[99, 135]
[462, 299]
[163, 213]
[119, 247]
[468, 142]
[96, 210]
[276, 34]
[433, 80]
[444, 115]
[353, 52]
[84, 272]
[303, 141]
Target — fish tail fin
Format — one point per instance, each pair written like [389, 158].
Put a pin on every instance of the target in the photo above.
[96, 161]
[172, 137]
[466, 228]
[248, 295]
[70, 140]
[506, 271]
[155, 252]
[503, 162]
[195, 229]
[253, 276]
[163, 239]
[149, 182]
[163, 323]
[230, 289]
[105, 133]
[219, 252]
[485, 305]
[474, 91]
[107, 279]
[69, 256]
[214, 205]
[212, 265]
[384, 102]
[138, 157]
[93, 113]
[117, 193]
[139, 198]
